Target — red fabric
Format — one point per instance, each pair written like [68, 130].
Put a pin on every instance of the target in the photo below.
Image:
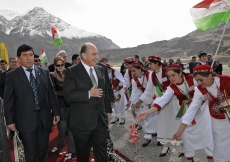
[115, 81]
[205, 4]
[224, 85]
[146, 74]
[136, 64]
[129, 60]
[54, 31]
[165, 84]
[154, 58]
[157, 106]
[173, 66]
[202, 68]
[209, 157]
[178, 93]
[53, 156]
[189, 158]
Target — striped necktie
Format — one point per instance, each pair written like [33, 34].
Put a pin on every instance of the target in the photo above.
[33, 84]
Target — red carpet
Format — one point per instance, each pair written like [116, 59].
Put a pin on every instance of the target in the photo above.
[53, 156]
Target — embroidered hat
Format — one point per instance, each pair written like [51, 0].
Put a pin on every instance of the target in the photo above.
[154, 58]
[201, 53]
[136, 64]
[173, 67]
[129, 60]
[202, 68]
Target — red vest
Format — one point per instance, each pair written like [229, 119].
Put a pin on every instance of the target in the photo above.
[146, 74]
[115, 81]
[180, 96]
[214, 102]
[164, 84]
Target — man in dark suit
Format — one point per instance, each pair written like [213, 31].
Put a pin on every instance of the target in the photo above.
[192, 64]
[86, 92]
[13, 64]
[30, 104]
[219, 67]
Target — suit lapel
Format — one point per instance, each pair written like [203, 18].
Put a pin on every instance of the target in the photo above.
[38, 77]
[99, 76]
[81, 70]
[22, 76]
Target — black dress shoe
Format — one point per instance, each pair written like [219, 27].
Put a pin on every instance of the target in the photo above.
[181, 154]
[123, 122]
[146, 143]
[159, 144]
[115, 121]
[154, 134]
[139, 128]
[164, 154]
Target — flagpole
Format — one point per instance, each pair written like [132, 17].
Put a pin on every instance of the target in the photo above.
[219, 43]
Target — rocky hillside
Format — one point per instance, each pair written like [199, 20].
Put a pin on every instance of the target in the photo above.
[188, 45]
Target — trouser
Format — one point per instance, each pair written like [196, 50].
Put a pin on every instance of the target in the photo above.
[208, 151]
[98, 137]
[35, 142]
[150, 125]
[62, 128]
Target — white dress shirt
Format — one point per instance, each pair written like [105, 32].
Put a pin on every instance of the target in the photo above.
[28, 73]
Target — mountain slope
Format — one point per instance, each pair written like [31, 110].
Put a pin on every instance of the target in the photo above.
[34, 28]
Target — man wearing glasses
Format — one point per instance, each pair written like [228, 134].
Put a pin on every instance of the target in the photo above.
[37, 60]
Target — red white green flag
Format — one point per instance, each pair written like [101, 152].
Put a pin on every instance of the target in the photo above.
[56, 37]
[42, 56]
[209, 13]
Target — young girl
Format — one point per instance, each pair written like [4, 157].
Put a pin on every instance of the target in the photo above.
[139, 83]
[183, 88]
[212, 91]
[120, 100]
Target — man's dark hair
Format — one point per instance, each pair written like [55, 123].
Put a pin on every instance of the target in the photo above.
[74, 57]
[36, 56]
[136, 56]
[24, 48]
[3, 61]
[12, 58]
[83, 49]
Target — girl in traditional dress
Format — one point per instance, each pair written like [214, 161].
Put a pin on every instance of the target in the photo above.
[183, 88]
[150, 93]
[120, 99]
[139, 83]
[128, 75]
[212, 91]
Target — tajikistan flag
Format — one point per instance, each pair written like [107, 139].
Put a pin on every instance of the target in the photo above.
[42, 56]
[56, 37]
[209, 13]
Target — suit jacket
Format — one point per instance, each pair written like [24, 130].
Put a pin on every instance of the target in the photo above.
[84, 111]
[19, 104]
[219, 69]
[192, 65]
[2, 83]
[108, 82]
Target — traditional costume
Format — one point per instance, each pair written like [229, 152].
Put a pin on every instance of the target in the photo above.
[138, 87]
[198, 128]
[212, 97]
[120, 99]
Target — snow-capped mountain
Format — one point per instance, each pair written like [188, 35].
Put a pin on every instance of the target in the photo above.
[9, 15]
[39, 22]
[34, 27]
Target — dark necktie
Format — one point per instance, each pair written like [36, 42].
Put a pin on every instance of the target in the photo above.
[33, 84]
[92, 77]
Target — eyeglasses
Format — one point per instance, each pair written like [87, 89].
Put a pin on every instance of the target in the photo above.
[36, 60]
[59, 65]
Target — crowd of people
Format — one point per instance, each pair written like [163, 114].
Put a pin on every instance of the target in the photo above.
[79, 97]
